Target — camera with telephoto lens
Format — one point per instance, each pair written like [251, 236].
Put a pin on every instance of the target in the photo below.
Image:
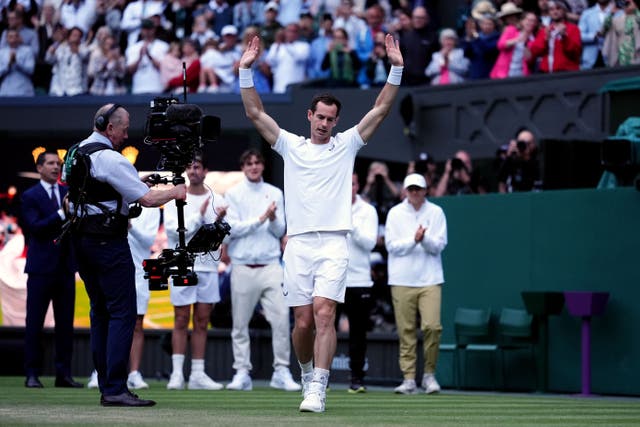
[180, 131]
[457, 164]
[522, 146]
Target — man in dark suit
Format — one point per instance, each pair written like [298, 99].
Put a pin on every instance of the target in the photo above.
[51, 273]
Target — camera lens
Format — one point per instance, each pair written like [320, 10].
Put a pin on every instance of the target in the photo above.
[522, 145]
[457, 164]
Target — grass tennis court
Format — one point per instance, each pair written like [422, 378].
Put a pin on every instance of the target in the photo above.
[267, 407]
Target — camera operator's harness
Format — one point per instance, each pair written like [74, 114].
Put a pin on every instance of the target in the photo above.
[86, 190]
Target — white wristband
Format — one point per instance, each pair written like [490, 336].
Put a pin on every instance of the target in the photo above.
[395, 75]
[245, 77]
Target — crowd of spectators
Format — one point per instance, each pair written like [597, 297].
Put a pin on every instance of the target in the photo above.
[106, 47]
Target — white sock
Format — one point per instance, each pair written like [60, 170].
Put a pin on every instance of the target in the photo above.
[197, 365]
[321, 375]
[177, 362]
[307, 367]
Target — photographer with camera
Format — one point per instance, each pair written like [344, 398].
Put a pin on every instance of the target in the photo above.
[459, 177]
[317, 187]
[203, 206]
[520, 170]
[104, 258]
[380, 190]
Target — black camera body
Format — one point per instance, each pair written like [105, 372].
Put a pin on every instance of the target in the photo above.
[457, 164]
[621, 4]
[174, 263]
[180, 131]
[209, 237]
[522, 146]
[177, 263]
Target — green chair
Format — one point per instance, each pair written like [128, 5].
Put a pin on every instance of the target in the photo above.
[473, 334]
[515, 332]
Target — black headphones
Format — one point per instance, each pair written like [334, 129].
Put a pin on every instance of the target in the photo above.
[102, 121]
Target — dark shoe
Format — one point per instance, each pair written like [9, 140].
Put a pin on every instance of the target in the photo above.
[67, 382]
[33, 382]
[356, 386]
[125, 399]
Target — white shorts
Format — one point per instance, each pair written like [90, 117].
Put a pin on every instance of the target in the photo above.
[315, 265]
[142, 293]
[206, 291]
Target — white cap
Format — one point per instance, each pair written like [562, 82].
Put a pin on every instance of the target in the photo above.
[415, 179]
[229, 30]
[272, 5]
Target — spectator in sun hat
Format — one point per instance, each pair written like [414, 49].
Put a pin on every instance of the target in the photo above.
[480, 41]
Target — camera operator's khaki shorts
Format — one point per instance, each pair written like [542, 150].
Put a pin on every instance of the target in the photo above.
[206, 291]
[315, 265]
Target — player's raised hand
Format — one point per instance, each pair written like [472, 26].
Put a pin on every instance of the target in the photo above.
[251, 53]
[393, 51]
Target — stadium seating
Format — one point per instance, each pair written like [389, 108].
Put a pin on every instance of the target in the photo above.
[515, 332]
[473, 334]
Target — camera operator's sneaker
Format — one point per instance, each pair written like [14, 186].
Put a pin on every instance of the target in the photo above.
[314, 400]
[93, 380]
[407, 387]
[430, 384]
[201, 381]
[241, 381]
[305, 380]
[135, 381]
[283, 380]
[176, 381]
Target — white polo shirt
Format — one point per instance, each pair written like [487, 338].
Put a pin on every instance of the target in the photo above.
[317, 181]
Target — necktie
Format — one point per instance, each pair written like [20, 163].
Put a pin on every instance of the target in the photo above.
[54, 199]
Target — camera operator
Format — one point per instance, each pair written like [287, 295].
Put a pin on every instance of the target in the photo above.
[520, 171]
[103, 254]
[459, 177]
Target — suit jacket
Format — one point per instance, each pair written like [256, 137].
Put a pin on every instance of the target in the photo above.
[567, 50]
[501, 67]
[41, 224]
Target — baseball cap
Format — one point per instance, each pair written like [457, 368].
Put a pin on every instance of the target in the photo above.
[272, 6]
[416, 180]
[229, 30]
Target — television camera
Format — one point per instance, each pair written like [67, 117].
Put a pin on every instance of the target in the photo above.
[180, 131]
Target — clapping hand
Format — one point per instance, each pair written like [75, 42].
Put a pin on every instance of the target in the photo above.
[270, 213]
